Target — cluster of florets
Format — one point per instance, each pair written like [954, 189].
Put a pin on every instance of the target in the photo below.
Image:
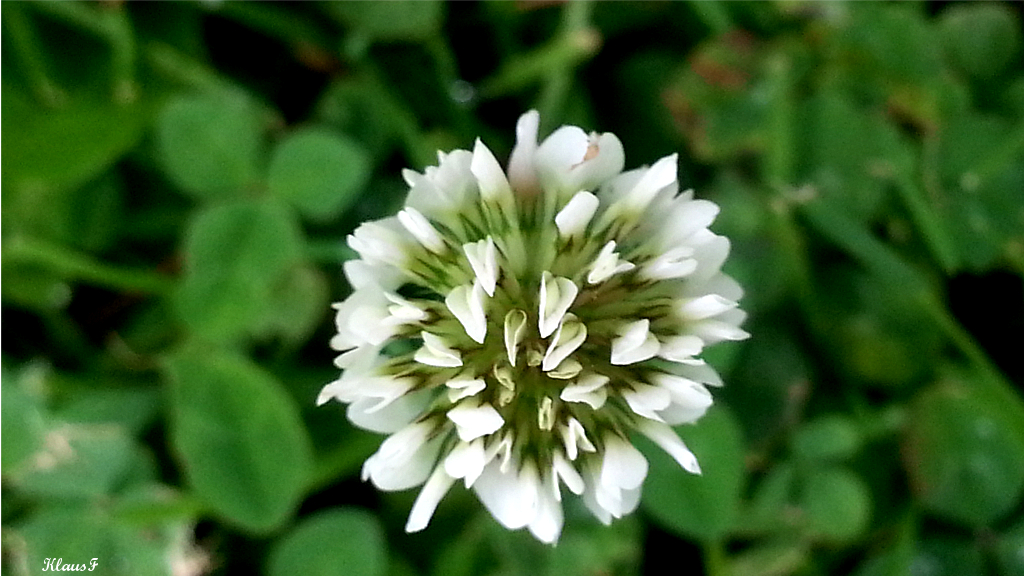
[510, 330]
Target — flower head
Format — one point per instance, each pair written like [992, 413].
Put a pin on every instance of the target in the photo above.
[511, 329]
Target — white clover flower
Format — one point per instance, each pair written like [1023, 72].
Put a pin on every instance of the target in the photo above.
[512, 331]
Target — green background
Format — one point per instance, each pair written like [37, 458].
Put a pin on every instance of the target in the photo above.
[179, 179]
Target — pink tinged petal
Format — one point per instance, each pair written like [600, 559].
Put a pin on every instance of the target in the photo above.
[464, 388]
[368, 414]
[466, 461]
[635, 344]
[570, 335]
[681, 348]
[555, 157]
[509, 496]
[435, 352]
[515, 330]
[704, 307]
[572, 220]
[429, 497]
[556, 296]
[546, 525]
[667, 439]
[474, 420]
[603, 160]
[489, 175]
[467, 303]
[587, 390]
[647, 400]
[607, 264]
[521, 172]
[623, 465]
[483, 258]
[404, 459]
[574, 437]
[418, 225]
[564, 470]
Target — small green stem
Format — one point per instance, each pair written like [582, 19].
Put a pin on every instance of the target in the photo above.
[76, 266]
[715, 559]
[928, 223]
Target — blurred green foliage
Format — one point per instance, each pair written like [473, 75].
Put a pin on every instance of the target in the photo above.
[179, 178]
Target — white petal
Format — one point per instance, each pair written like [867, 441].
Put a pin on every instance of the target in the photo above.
[667, 439]
[488, 172]
[474, 420]
[404, 311]
[704, 307]
[483, 258]
[647, 400]
[556, 296]
[572, 220]
[442, 189]
[570, 335]
[422, 229]
[436, 352]
[404, 459]
[467, 304]
[635, 344]
[510, 496]
[566, 370]
[466, 461]
[368, 413]
[680, 348]
[546, 525]
[521, 172]
[690, 399]
[607, 264]
[564, 470]
[464, 388]
[575, 438]
[557, 154]
[623, 465]
[429, 497]
[714, 331]
[588, 390]
[675, 263]
[380, 242]
[362, 274]
[658, 176]
[515, 329]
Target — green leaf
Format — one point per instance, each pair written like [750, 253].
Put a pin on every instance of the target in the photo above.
[239, 438]
[298, 304]
[345, 541]
[47, 149]
[318, 171]
[950, 557]
[964, 454]
[235, 257]
[837, 504]
[780, 558]
[21, 420]
[391, 21]
[1009, 550]
[828, 438]
[80, 461]
[698, 506]
[981, 39]
[210, 143]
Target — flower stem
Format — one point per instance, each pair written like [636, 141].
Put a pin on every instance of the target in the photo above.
[76, 266]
